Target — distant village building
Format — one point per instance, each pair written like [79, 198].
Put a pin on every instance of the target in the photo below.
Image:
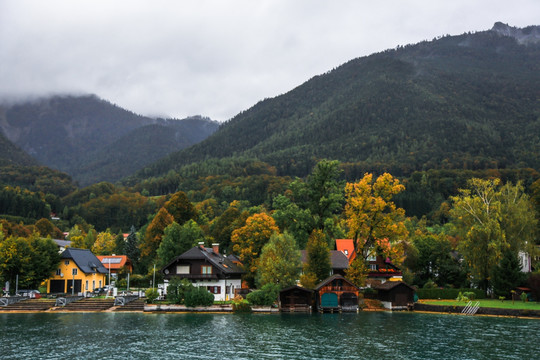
[116, 264]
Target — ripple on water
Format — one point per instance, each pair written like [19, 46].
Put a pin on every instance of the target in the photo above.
[256, 336]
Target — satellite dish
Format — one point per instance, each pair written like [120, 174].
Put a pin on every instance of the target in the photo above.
[166, 271]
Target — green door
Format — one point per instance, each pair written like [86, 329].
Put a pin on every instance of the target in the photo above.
[329, 300]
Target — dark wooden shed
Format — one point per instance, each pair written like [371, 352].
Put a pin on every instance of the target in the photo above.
[336, 293]
[395, 295]
[296, 299]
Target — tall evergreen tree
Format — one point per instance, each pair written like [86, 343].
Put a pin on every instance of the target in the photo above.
[132, 246]
[507, 274]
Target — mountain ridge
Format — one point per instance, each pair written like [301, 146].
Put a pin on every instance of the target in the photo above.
[464, 101]
[75, 133]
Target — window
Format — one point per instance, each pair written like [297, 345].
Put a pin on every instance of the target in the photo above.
[373, 267]
[74, 271]
[182, 269]
[58, 272]
[86, 285]
[66, 262]
[214, 289]
[206, 270]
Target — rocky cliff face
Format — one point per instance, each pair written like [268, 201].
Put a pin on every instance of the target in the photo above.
[528, 35]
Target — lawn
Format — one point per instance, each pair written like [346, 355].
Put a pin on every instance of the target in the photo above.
[506, 304]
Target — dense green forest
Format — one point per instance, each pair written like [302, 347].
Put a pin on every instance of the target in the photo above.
[435, 125]
[459, 102]
[92, 139]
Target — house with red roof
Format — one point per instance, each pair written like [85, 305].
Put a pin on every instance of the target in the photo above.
[380, 269]
[116, 264]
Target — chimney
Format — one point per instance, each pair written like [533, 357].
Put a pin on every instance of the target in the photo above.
[215, 247]
[201, 244]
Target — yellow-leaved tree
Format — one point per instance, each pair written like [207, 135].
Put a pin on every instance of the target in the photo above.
[249, 240]
[373, 220]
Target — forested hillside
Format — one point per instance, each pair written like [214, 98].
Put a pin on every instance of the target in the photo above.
[10, 154]
[94, 140]
[457, 102]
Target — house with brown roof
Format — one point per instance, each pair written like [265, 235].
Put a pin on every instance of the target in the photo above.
[395, 295]
[336, 293]
[339, 261]
[206, 267]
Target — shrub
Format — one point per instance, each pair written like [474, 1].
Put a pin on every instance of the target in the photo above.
[239, 305]
[266, 296]
[151, 295]
[177, 289]
[198, 296]
[523, 296]
[448, 294]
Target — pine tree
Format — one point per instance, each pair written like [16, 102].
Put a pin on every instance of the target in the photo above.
[132, 246]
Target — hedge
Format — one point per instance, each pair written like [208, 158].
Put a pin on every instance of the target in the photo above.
[447, 294]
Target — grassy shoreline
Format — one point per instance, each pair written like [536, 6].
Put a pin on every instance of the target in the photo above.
[488, 303]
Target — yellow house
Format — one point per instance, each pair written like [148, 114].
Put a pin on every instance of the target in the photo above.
[79, 271]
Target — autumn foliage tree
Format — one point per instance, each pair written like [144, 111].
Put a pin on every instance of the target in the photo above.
[371, 215]
[181, 208]
[154, 234]
[249, 240]
[104, 244]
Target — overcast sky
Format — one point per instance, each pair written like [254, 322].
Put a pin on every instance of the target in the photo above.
[214, 57]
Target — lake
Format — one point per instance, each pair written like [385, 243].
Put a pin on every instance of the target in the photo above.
[368, 335]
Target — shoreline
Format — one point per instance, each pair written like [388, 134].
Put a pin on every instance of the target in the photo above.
[225, 309]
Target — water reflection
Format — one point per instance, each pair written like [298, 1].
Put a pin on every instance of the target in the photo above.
[284, 336]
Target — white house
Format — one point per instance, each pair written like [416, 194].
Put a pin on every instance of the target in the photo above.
[219, 274]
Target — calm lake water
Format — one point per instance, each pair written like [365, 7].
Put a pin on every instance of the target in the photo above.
[379, 335]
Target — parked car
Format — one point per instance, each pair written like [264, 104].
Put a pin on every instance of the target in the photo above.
[30, 293]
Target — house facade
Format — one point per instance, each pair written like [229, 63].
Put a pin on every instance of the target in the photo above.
[395, 295]
[336, 293]
[206, 267]
[79, 271]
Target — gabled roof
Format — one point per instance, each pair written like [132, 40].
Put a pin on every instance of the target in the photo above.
[338, 259]
[332, 278]
[85, 260]
[389, 285]
[114, 262]
[226, 264]
[346, 246]
[296, 287]
[62, 243]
